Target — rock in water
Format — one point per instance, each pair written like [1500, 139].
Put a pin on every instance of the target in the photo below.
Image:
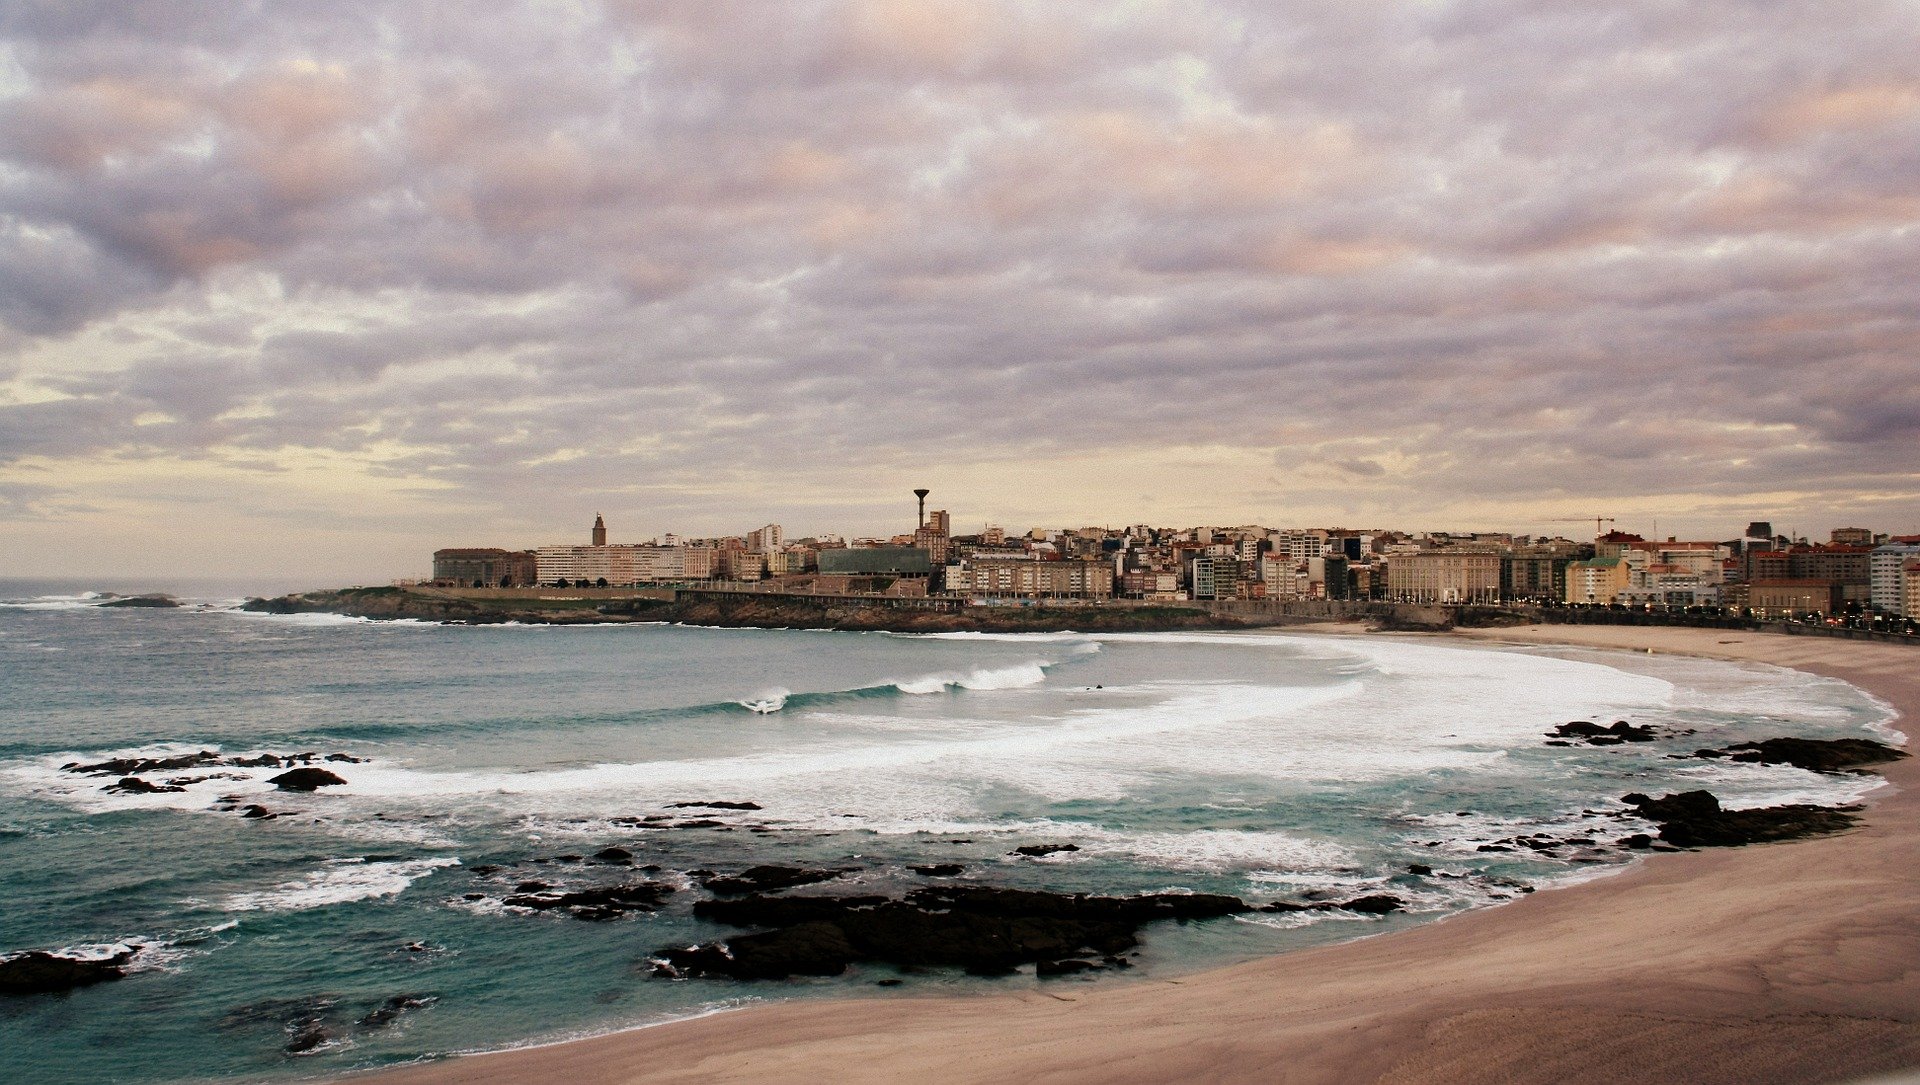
[1694, 819]
[1036, 850]
[39, 972]
[305, 780]
[134, 785]
[761, 879]
[986, 931]
[1814, 755]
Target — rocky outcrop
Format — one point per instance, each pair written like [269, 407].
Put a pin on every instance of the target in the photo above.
[743, 609]
[1814, 755]
[38, 972]
[1596, 735]
[306, 779]
[1695, 819]
[985, 931]
[766, 879]
[597, 904]
[155, 601]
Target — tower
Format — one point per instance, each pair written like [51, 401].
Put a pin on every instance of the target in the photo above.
[599, 530]
[922, 495]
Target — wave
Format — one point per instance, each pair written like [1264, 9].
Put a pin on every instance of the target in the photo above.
[340, 882]
[82, 601]
[766, 702]
[981, 679]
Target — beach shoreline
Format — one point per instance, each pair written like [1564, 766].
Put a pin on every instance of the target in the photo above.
[1791, 962]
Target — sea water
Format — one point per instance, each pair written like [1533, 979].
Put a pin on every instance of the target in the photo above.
[1270, 767]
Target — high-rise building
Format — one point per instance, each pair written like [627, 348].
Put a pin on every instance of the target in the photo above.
[1887, 567]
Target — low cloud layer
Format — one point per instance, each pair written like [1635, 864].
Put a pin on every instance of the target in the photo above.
[1426, 264]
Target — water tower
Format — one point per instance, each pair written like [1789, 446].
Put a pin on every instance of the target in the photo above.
[922, 495]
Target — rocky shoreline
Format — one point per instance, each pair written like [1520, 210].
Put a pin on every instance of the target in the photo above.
[740, 610]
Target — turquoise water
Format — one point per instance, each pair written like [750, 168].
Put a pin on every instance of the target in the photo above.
[1269, 767]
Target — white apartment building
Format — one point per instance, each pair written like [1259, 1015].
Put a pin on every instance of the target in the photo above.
[1887, 570]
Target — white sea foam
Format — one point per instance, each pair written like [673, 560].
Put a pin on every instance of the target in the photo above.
[767, 701]
[1030, 673]
[82, 601]
[1215, 850]
[339, 882]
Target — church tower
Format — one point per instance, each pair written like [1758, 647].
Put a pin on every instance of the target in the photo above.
[599, 530]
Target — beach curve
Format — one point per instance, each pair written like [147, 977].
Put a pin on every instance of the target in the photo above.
[1793, 962]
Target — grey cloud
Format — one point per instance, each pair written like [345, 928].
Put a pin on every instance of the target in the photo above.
[1526, 245]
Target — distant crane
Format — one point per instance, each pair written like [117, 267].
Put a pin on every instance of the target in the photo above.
[1597, 521]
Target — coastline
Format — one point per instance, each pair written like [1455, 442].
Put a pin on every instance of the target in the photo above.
[1797, 961]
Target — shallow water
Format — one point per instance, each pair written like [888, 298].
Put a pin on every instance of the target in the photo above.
[1263, 766]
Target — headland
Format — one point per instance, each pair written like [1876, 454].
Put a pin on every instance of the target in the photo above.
[740, 609]
[1786, 962]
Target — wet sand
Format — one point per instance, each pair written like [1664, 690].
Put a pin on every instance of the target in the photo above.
[1792, 962]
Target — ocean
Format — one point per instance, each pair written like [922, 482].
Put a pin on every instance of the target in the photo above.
[1266, 766]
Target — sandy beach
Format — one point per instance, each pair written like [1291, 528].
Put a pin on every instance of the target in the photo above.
[1794, 962]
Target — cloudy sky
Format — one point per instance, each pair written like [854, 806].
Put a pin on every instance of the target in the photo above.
[320, 286]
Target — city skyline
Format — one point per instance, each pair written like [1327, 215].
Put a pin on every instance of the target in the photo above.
[313, 289]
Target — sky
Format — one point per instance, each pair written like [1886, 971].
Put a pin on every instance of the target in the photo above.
[319, 287]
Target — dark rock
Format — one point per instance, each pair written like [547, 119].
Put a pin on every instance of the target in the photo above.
[305, 780]
[1377, 904]
[481, 870]
[604, 902]
[763, 879]
[532, 887]
[1638, 842]
[134, 785]
[887, 983]
[1063, 968]
[1814, 755]
[40, 972]
[937, 870]
[390, 1010]
[155, 601]
[1421, 869]
[1694, 819]
[713, 806]
[256, 812]
[133, 766]
[347, 759]
[1492, 847]
[307, 1039]
[613, 855]
[264, 761]
[700, 824]
[986, 931]
[1596, 735]
[815, 948]
[1044, 849]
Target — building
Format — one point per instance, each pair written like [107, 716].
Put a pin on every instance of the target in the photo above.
[1910, 590]
[1535, 572]
[1597, 581]
[484, 567]
[1887, 570]
[1775, 598]
[767, 538]
[1444, 576]
[875, 561]
[1851, 536]
[1015, 578]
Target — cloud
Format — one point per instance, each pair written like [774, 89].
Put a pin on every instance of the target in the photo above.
[1462, 256]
